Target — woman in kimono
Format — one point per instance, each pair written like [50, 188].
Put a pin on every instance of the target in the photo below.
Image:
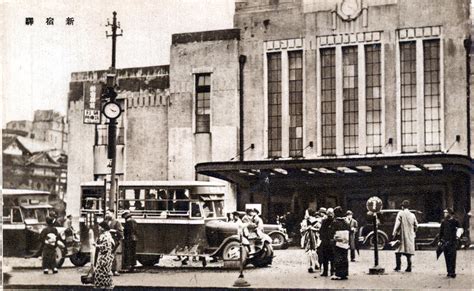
[104, 258]
[49, 239]
[309, 231]
[340, 233]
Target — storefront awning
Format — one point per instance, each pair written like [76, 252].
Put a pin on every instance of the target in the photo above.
[248, 172]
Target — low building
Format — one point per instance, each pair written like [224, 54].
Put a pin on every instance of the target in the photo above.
[47, 126]
[51, 127]
[31, 164]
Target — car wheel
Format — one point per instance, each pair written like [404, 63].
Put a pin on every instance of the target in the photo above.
[79, 259]
[148, 261]
[265, 258]
[232, 251]
[380, 242]
[278, 241]
[59, 257]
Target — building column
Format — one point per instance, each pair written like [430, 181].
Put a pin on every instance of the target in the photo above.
[420, 96]
[339, 103]
[285, 110]
[362, 99]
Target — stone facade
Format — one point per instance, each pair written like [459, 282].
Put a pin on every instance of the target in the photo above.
[375, 32]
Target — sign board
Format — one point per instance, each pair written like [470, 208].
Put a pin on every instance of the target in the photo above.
[256, 206]
[92, 95]
[374, 204]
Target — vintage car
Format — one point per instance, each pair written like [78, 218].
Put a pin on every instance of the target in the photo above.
[277, 233]
[426, 234]
[175, 218]
[24, 217]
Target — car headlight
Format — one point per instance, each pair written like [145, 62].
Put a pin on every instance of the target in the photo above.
[82, 219]
[100, 219]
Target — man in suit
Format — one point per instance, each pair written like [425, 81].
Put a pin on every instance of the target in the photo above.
[130, 233]
[354, 225]
[449, 233]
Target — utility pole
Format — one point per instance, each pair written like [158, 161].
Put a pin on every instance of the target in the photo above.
[112, 111]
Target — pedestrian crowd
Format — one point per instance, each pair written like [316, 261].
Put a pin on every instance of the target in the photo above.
[328, 237]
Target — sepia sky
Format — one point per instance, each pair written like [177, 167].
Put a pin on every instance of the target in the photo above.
[37, 60]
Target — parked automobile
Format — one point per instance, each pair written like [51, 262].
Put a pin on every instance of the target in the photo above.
[174, 218]
[277, 233]
[426, 234]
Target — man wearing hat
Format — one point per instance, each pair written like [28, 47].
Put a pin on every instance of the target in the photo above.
[254, 222]
[405, 227]
[130, 241]
[449, 232]
[325, 249]
[354, 225]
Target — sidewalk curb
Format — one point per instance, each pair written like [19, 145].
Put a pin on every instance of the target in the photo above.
[89, 287]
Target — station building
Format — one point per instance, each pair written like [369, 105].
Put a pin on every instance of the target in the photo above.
[304, 103]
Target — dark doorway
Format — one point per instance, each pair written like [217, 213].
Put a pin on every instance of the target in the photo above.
[433, 206]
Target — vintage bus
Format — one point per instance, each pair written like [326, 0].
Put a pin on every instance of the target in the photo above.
[24, 216]
[177, 218]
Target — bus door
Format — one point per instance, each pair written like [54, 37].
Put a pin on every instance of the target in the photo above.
[92, 213]
[14, 232]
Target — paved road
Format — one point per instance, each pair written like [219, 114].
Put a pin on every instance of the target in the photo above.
[289, 270]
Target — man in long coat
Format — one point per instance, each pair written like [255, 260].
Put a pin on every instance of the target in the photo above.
[130, 233]
[326, 251]
[405, 227]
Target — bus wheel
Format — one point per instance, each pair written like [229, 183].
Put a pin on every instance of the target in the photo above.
[148, 261]
[59, 257]
[79, 259]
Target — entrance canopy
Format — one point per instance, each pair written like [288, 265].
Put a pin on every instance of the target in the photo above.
[250, 172]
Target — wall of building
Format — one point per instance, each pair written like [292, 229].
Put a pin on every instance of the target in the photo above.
[260, 21]
[80, 167]
[143, 93]
[147, 135]
[186, 147]
[282, 22]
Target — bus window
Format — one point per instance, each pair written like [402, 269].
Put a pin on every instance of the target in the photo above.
[195, 210]
[219, 207]
[182, 203]
[137, 204]
[30, 214]
[208, 209]
[16, 215]
[41, 214]
[162, 197]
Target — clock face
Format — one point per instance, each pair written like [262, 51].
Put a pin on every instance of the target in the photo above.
[349, 7]
[112, 110]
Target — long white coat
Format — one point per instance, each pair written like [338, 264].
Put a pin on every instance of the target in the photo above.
[405, 226]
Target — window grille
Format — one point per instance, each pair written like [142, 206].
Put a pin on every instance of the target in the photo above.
[295, 59]
[328, 101]
[274, 105]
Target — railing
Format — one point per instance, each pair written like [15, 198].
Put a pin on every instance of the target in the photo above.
[157, 208]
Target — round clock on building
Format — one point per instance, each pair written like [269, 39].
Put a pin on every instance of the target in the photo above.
[112, 110]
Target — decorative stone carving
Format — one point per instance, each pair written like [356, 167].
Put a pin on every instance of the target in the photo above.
[349, 9]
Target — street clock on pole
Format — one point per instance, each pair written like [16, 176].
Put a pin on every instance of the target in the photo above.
[112, 110]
